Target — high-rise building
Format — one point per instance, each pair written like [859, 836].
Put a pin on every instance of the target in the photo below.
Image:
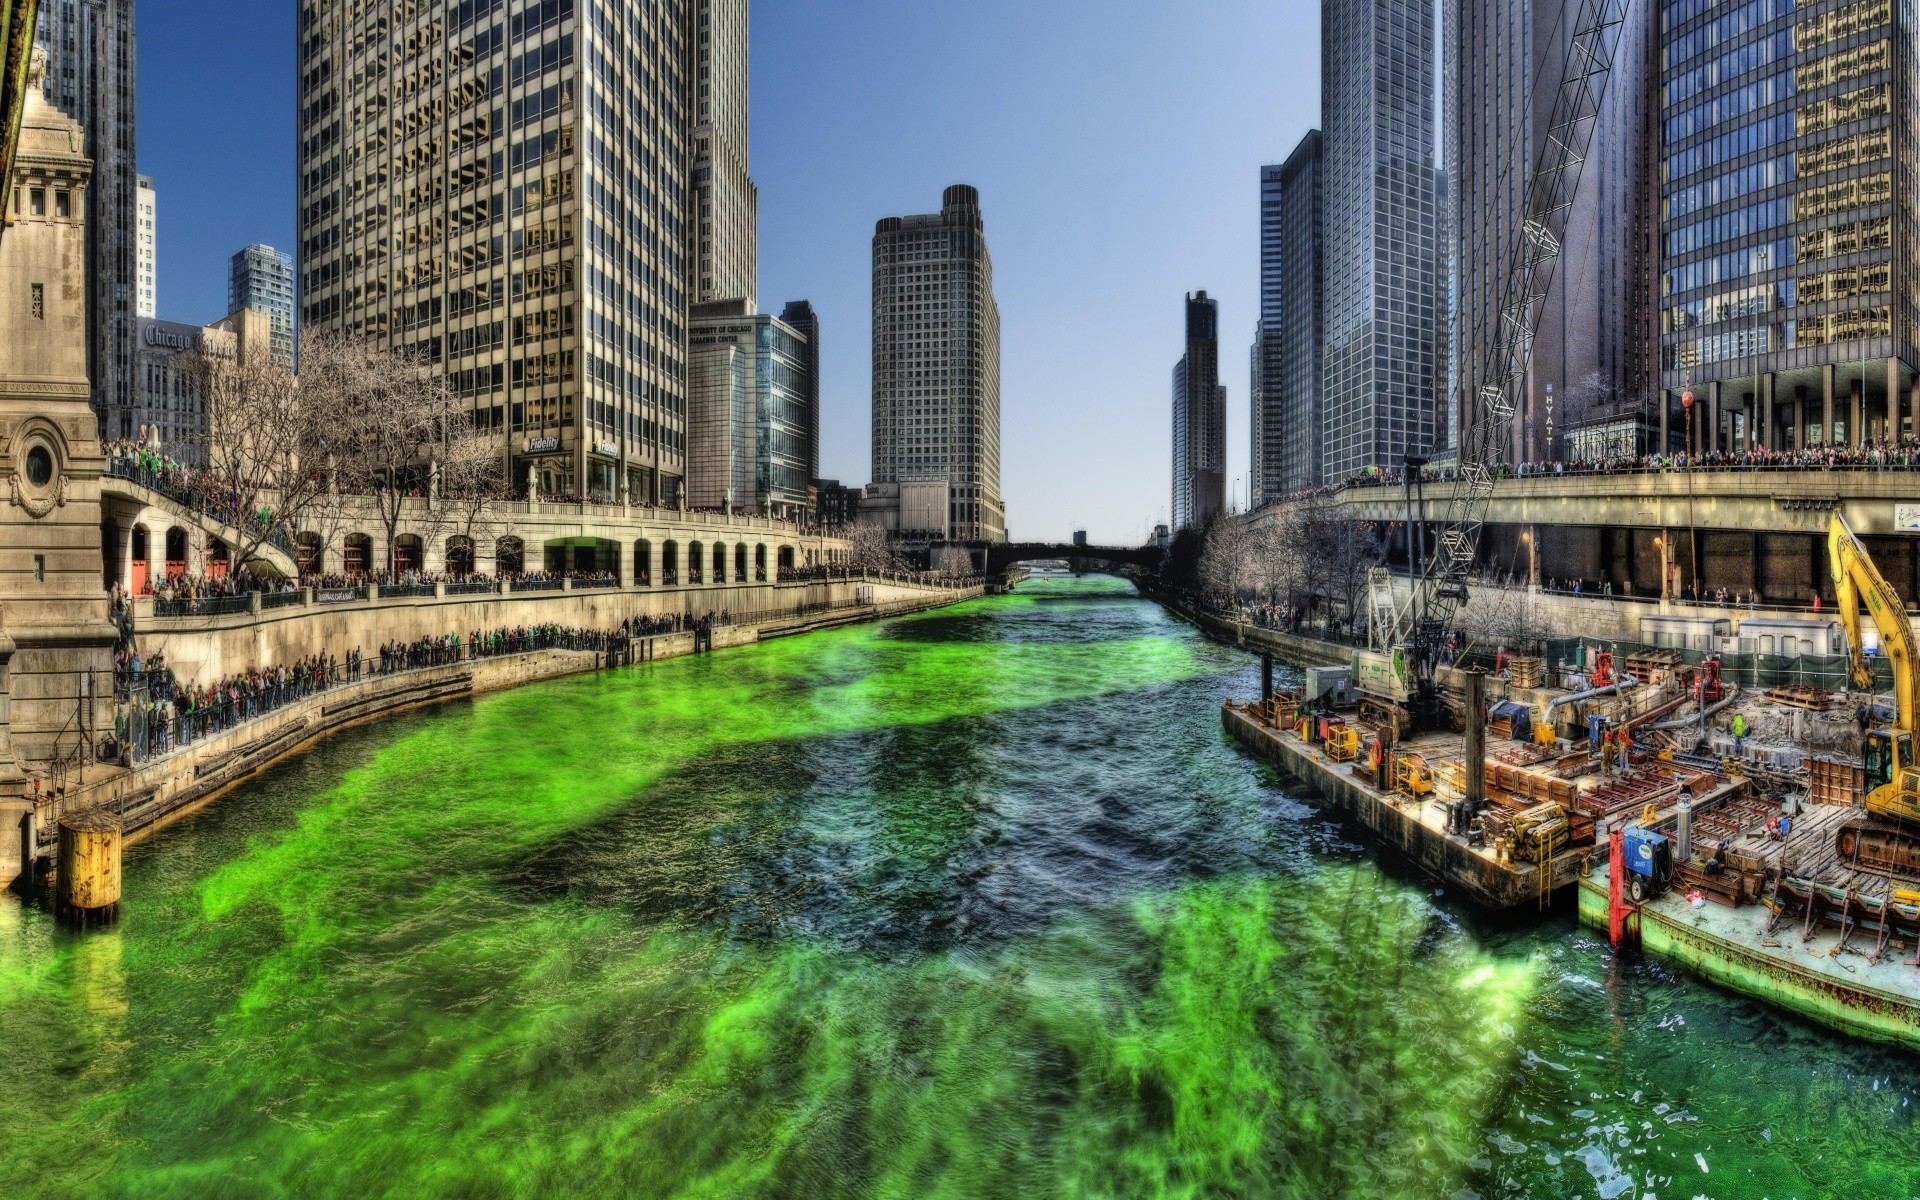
[90, 77]
[147, 238]
[936, 362]
[1380, 223]
[1199, 420]
[1288, 437]
[260, 279]
[726, 250]
[170, 403]
[1267, 449]
[506, 189]
[1788, 282]
[747, 417]
[799, 316]
[1590, 353]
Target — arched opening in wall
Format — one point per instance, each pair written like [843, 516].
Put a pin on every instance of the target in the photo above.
[695, 564]
[357, 559]
[760, 562]
[218, 560]
[459, 556]
[409, 555]
[176, 553]
[643, 563]
[719, 562]
[509, 557]
[141, 552]
[310, 555]
[740, 563]
[670, 563]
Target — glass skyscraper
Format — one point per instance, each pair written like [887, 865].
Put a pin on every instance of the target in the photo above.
[1787, 286]
[1377, 100]
[1295, 295]
[260, 278]
[1199, 420]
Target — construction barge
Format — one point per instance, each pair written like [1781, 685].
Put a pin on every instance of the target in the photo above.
[1750, 797]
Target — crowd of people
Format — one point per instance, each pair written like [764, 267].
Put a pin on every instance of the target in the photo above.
[156, 713]
[1869, 456]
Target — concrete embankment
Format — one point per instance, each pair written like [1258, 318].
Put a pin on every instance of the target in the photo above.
[159, 790]
[1296, 650]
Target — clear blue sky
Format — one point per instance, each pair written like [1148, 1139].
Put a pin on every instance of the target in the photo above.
[1116, 144]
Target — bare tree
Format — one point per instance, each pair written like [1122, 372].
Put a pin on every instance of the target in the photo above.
[257, 448]
[951, 564]
[396, 422]
[869, 548]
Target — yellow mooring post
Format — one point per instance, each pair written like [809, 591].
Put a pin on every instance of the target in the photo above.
[87, 870]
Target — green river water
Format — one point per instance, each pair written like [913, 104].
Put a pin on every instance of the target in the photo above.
[977, 903]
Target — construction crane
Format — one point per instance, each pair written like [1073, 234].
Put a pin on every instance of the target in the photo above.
[1406, 638]
[1888, 837]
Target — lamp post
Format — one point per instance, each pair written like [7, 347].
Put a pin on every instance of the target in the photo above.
[1693, 530]
[1533, 561]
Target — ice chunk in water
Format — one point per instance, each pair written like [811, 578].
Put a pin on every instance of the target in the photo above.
[1702, 1160]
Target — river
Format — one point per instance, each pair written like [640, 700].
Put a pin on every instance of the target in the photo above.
[976, 903]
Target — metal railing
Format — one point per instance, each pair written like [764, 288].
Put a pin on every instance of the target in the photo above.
[203, 606]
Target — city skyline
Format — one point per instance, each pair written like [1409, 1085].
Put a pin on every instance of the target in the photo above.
[1070, 379]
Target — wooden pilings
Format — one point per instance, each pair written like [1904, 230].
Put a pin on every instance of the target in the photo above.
[87, 870]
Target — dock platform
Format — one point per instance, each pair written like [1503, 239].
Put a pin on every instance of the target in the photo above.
[1416, 828]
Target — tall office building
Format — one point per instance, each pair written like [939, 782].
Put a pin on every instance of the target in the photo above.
[1267, 448]
[90, 77]
[747, 417]
[147, 241]
[1377, 100]
[936, 362]
[1788, 283]
[260, 279]
[726, 251]
[1292, 294]
[799, 316]
[506, 189]
[1590, 362]
[1199, 420]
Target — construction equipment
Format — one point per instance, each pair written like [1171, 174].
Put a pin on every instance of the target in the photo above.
[1649, 856]
[1540, 832]
[1888, 837]
[1603, 673]
[1417, 630]
[1343, 743]
[1411, 776]
[1707, 681]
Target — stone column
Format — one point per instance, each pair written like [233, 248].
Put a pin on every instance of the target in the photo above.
[1666, 402]
[1856, 410]
[1767, 435]
[1711, 441]
[1800, 411]
[1826, 405]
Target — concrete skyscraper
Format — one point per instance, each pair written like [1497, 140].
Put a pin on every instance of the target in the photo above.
[147, 238]
[726, 250]
[1377, 99]
[260, 279]
[936, 363]
[1788, 261]
[90, 77]
[1199, 420]
[1591, 359]
[505, 189]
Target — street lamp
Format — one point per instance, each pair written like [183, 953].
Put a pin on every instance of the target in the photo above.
[1533, 561]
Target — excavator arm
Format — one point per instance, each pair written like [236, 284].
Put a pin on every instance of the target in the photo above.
[1855, 577]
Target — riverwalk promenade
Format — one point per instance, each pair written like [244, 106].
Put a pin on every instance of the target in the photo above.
[147, 790]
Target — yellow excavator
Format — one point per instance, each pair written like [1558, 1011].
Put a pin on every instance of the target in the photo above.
[1888, 837]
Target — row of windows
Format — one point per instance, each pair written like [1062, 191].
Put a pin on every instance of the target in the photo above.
[538, 16]
[1741, 222]
[1731, 305]
[1843, 152]
[1852, 106]
[1861, 60]
[1731, 186]
[1750, 15]
[1846, 282]
[1732, 144]
[1871, 322]
[547, 102]
[1845, 194]
[1842, 22]
[541, 59]
[1855, 237]
[1728, 105]
[1734, 264]
[1729, 66]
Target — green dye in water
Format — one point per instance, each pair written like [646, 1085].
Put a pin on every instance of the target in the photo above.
[977, 903]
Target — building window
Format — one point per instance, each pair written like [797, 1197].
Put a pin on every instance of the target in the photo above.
[39, 302]
[62, 204]
[36, 202]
